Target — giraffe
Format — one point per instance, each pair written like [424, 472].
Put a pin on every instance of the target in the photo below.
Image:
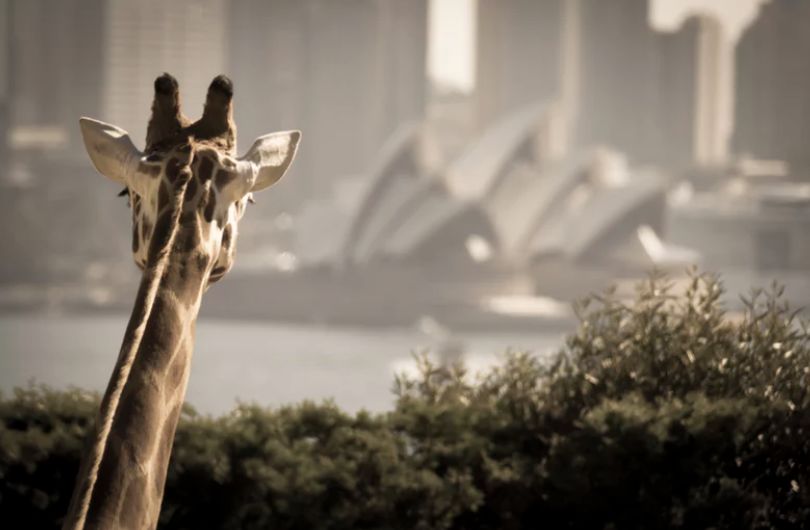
[187, 192]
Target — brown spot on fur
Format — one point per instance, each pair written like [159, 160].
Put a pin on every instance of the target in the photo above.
[188, 218]
[173, 169]
[149, 169]
[154, 157]
[163, 196]
[191, 190]
[146, 227]
[195, 164]
[209, 207]
[224, 178]
[226, 237]
[184, 154]
[206, 169]
[186, 275]
[136, 239]
[188, 238]
[160, 235]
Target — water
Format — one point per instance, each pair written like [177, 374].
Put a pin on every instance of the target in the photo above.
[270, 364]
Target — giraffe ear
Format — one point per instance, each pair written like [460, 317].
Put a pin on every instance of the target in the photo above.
[271, 155]
[111, 150]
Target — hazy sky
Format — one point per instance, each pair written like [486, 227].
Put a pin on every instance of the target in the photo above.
[452, 24]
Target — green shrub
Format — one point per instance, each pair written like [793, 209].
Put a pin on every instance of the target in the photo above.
[661, 413]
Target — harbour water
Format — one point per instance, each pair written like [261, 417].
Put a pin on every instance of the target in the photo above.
[267, 363]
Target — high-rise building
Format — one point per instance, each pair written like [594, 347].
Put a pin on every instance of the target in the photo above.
[617, 88]
[772, 110]
[346, 72]
[693, 94]
[5, 76]
[143, 39]
[519, 54]
[660, 98]
[403, 37]
[54, 65]
[99, 57]
[713, 90]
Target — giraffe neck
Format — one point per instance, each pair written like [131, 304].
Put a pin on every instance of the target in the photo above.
[121, 479]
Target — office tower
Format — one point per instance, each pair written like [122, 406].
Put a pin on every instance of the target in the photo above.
[345, 72]
[693, 95]
[772, 109]
[617, 77]
[54, 70]
[143, 39]
[519, 53]
[5, 85]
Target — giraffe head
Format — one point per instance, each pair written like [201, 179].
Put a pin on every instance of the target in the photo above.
[188, 189]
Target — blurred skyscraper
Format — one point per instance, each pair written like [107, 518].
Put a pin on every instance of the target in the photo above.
[518, 55]
[5, 75]
[659, 97]
[693, 95]
[617, 61]
[97, 58]
[55, 68]
[347, 73]
[772, 112]
[145, 38]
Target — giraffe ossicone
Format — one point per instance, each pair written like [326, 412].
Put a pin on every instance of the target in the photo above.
[187, 190]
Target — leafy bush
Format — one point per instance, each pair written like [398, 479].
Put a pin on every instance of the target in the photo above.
[666, 412]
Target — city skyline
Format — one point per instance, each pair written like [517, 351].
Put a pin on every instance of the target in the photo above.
[595, 145]
[451, 56]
